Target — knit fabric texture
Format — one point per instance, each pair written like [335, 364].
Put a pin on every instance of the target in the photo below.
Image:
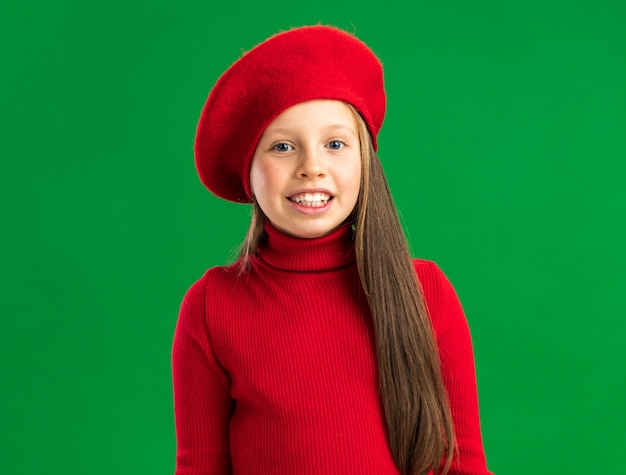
[275, 371]
[302, 64]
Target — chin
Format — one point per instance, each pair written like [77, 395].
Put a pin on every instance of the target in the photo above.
[309, 232]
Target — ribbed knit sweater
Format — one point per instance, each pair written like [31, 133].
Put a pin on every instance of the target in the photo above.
[275, 371]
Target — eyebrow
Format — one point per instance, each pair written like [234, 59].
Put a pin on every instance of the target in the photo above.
[286, 130]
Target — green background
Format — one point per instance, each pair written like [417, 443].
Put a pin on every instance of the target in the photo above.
[504, 143]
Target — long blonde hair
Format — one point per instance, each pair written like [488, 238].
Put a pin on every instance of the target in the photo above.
[420, 430]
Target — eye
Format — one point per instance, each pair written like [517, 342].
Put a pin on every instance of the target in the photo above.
[336, 144]
[282, 147]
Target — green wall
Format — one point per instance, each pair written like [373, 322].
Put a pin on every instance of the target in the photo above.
[504, 143]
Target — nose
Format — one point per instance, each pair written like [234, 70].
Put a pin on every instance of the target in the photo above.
[311, 164]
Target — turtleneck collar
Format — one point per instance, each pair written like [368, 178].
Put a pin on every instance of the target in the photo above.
[291, 253]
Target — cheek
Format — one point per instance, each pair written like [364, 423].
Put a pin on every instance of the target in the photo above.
[257, 177]
[263, 180]
[354, 177]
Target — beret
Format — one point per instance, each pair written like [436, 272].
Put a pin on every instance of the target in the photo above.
[298, 65]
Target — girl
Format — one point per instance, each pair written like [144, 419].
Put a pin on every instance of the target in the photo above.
[324, 349]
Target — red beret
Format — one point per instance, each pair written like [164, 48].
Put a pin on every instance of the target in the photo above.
[311, 62]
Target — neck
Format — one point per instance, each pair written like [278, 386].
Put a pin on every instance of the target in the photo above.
[291, 253]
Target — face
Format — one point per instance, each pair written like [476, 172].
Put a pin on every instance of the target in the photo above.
[306, 170]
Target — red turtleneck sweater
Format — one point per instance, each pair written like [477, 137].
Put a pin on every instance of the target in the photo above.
[274, 371]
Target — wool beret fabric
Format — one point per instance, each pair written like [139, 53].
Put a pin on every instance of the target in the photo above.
[305, 63]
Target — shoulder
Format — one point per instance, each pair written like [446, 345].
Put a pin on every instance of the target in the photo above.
[434, 283]
[439, 294]
[214, 281]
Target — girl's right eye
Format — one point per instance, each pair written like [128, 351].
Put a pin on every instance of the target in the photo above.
[282, 147]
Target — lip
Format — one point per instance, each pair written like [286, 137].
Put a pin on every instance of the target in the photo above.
[308, 210]
[310, 190]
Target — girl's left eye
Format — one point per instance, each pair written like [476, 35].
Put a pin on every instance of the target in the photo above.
[336, 145]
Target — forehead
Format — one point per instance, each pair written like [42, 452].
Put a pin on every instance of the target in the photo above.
[318, 113]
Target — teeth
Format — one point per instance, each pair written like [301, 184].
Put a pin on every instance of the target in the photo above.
[311, 199]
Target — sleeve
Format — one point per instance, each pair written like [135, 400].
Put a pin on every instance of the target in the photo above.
[202, 403]
[458, 370]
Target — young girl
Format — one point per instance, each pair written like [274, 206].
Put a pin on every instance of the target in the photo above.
[324, 349]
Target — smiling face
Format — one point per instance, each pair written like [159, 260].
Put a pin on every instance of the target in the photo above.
[306, 170]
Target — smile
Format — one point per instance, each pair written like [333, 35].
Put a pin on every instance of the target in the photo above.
[312, 200]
